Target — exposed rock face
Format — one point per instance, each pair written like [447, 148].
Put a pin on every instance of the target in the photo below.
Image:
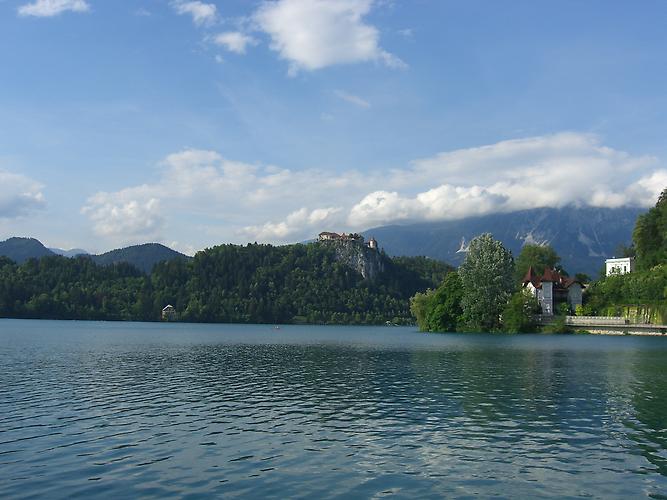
[366, 261]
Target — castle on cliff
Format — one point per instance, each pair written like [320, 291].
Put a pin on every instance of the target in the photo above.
[348, 237]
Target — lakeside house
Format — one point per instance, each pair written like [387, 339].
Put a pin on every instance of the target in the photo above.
[347, 237]
[619, 266]
[552, 289]
[168, 313]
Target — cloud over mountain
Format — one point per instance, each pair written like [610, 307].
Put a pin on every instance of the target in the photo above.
[268, 203]
[546, 171]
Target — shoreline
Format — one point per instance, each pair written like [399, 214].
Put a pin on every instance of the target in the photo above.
[614, 331]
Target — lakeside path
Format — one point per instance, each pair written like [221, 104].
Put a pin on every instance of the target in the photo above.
[608, 325]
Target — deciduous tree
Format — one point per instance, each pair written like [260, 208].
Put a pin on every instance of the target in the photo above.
[487, 280]
[537, 256]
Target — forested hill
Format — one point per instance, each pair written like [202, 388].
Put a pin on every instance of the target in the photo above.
[228, 283]
[143, 257]
[22, 249]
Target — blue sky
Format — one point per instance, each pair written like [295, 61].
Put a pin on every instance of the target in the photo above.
[195, 123]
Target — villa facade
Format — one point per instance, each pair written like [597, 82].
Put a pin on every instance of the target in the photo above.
[619, 266]
[552, 289]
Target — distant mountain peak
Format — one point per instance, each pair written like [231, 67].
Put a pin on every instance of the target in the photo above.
[582, 236]
[143, 256]
[20, 249]
[73, 252]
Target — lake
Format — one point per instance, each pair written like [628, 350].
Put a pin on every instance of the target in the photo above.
[180, 410]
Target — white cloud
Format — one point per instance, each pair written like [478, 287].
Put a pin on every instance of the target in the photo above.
[546, 171]
[352, 99]
[314, 34]
[235, 41]
[19, 195]
[443, 202]
[238, 202]
[49, 8]
[202, 13]
[203, 186]
[294, 224]
[128, 216]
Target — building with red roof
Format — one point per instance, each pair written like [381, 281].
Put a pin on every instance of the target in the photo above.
[553, 289]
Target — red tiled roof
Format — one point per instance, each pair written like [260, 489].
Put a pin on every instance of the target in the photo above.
[531, 277]
[551, 275]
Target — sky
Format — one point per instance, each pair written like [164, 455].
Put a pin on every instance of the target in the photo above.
[197, 123]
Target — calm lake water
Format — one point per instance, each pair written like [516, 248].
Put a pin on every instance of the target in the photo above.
[160, 410]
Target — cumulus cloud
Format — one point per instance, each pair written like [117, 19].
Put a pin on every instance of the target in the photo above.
[19, 195]
[201, 13]
[235, 41]
[545, 171]
[352, 99]
[239, 202]
[128, 216]
[204, 186]
[49, 8]
[294, 224]
[314, 34]
[443, 202]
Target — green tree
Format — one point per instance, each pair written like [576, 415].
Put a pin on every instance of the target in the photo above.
[445, 311]
[537, 256]
[650, 235]
[420, 305]
[519, 312]
[439, 310]
[487, 279]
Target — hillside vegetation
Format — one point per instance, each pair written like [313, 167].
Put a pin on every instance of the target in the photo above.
[143, 257]
[646, 288]
[227, 283]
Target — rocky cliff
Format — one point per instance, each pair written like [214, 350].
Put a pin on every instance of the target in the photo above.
[366, 261]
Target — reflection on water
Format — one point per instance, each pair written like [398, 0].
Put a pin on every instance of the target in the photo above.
[177, 410]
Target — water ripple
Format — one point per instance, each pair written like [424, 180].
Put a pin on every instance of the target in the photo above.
[182, 411]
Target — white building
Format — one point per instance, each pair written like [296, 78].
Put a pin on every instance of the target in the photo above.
[620, 266]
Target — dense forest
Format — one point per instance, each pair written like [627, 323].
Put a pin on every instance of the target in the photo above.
[228, 283]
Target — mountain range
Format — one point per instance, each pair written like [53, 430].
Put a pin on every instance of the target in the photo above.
[143, 257]
[582, 236]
